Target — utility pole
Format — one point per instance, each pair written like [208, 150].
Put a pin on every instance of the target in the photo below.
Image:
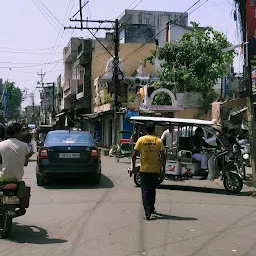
[33, 107]
[116, 74]
[42, 75]
[41, 83]
[116, 80]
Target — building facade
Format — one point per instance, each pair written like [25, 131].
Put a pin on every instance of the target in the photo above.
[139, 26]
[32, 114]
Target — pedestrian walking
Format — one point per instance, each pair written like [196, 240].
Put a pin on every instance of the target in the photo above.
[152, 159]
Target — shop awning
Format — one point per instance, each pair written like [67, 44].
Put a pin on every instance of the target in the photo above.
[95, 115]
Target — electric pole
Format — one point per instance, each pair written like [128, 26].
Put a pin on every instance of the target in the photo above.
[41, 83]
[33, 107]
[42, 75]
[117, 72]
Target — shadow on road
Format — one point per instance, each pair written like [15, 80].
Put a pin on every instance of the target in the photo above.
[32, 235]
[80, 184]
[160, 216]
[203, 190]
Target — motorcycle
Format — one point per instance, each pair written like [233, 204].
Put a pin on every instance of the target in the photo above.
[246, 152]
[239, 162]
[9, 202]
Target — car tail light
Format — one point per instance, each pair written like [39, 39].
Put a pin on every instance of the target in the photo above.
[10, 186]
[43, 154]
[94, 153]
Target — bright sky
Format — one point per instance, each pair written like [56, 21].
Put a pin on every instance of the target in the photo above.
[32, 39]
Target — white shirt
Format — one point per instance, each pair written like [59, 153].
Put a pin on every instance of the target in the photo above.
[170, 138]
[13, 152]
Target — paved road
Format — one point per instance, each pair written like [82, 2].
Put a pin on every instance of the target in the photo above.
[107, 220]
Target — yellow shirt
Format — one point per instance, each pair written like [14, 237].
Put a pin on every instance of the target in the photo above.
[149, 147]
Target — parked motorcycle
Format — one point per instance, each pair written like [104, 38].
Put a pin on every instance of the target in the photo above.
[246, 152]
[239, 162]
[9, 202]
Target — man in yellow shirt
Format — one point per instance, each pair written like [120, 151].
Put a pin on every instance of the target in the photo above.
[152, 158]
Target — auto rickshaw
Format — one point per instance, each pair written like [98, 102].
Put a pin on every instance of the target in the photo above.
[180, 164]
[41, 134]
[124, 148]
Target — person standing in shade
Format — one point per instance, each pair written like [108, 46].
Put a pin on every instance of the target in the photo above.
[152, 159]
[170, 137]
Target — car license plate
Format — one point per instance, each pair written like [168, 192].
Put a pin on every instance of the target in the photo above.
[69, 155]
[10, 200]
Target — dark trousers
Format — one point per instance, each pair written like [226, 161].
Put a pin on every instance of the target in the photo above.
[148, 182]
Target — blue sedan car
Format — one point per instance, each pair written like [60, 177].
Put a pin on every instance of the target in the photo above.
[68, 154]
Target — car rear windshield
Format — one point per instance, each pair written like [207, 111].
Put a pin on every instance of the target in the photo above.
[69, 138]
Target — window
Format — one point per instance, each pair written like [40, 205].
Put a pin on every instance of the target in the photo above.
[83, 139]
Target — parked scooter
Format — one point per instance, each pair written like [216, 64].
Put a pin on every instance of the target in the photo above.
[10, 200]
[246, 152]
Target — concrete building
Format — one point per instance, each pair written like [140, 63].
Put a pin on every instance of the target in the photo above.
[74, 86]
[138, 26]
[47, 104]
[32, 114]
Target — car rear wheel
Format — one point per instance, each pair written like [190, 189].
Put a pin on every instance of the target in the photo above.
[40, 180]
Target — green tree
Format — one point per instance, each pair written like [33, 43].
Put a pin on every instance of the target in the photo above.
[14, 100]
[195, 63]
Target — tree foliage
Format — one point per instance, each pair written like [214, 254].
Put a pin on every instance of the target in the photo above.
[14, 100]
[195, 63]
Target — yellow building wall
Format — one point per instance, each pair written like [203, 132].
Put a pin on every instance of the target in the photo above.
[100, 58]
[193, 113]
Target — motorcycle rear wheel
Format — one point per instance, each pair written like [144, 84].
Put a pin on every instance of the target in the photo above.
[5, 224]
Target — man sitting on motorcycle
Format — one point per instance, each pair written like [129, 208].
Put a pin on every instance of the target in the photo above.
[14, 154]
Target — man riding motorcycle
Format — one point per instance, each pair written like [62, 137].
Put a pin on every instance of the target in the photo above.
[14, 154]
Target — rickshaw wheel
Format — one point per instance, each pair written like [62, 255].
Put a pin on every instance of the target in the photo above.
[234, 184]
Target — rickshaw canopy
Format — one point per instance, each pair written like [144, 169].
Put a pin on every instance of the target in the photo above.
[172, 121]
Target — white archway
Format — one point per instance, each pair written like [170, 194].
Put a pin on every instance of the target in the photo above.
[164, 90]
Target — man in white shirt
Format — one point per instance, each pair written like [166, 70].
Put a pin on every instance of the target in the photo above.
[14, 154]
[170, 137]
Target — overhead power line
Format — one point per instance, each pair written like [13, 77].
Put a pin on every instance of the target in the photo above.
[29, 66]
[24, 63]
[29, 50]
[53, 52]
[22, 52]
[51, 20]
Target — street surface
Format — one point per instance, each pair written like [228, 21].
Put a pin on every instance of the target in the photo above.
[72, 218]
